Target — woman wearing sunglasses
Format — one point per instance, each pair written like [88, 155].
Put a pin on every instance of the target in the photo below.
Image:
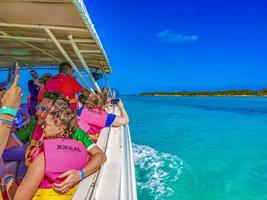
[55, 154]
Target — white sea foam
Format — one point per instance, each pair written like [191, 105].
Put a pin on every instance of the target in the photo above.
[156, 171]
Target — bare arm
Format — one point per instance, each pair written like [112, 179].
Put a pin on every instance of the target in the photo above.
[5, 129]
[123, 119]
[73, 177]
[11, 98]
[32, 179]
[97, 159]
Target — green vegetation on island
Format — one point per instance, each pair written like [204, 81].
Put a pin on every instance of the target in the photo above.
[243, 92]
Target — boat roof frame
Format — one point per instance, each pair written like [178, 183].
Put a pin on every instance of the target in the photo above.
[86, 50]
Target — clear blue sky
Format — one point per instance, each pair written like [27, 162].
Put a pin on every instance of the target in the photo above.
[183, 45]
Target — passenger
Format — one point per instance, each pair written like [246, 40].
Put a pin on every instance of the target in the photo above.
[51, 159]
[34, 130]
[44, 79]
[33, 86]
[97, 156]
[10, 102]
[93, 118]
[66, 84]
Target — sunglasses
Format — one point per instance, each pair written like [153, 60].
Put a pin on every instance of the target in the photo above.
[43, 108]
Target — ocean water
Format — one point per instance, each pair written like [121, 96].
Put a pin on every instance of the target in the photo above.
[199, 148]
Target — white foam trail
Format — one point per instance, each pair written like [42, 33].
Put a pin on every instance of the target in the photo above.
[156, 170]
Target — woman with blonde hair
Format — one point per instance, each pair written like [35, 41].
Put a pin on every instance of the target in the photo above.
[54, 155]
[93, 117]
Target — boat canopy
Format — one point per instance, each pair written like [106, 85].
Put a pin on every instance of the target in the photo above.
[48, 32]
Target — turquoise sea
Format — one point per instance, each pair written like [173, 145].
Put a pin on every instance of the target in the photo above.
[199, 148]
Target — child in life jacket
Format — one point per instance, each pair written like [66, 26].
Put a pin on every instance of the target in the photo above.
[56, 154]
[93, 117]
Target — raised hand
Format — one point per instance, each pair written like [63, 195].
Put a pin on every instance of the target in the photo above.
[12, 97]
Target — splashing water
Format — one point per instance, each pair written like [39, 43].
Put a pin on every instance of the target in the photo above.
[156, 171]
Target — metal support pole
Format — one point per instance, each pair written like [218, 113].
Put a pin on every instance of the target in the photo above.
[51, 35]
[79, 55]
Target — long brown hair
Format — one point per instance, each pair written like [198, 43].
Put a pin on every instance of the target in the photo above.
[66, 118]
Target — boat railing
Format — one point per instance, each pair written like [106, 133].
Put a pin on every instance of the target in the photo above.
[116, 178]
[128, 181]
[87, 188]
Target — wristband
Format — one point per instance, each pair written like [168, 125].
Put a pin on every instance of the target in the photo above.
[82, 174]
[8, 111]
[7, 179]
[6, 120]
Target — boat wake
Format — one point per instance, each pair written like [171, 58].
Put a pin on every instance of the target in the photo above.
[156, 171]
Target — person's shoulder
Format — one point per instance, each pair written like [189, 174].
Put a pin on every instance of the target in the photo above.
[82, 136]
[79, 131]
[69, 79]
[72, 78]
[60, 75]
[56, 76]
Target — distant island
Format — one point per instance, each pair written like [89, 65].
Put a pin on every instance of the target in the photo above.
[243, 92]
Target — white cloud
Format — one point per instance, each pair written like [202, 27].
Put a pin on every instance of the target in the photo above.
[169, 36]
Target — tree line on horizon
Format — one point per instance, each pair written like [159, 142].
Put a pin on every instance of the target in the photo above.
[243, 92]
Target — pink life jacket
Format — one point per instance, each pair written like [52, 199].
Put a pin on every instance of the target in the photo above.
[61, 155]
[54, 83]
[92, 120]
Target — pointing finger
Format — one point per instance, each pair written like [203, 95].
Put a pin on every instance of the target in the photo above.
[17, 69]
[16, 79]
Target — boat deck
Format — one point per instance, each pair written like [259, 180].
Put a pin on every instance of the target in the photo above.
[98, 185]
